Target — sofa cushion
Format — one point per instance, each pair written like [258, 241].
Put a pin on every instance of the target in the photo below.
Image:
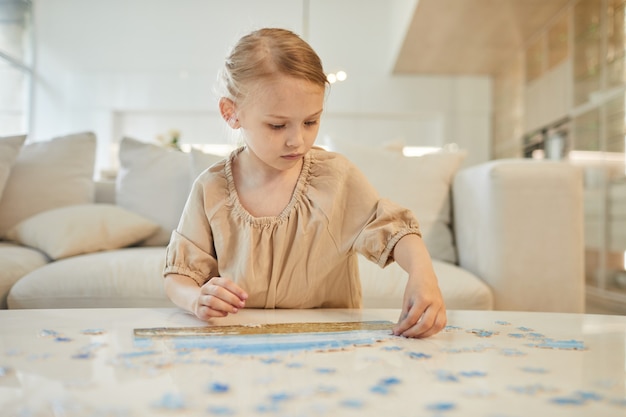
[84, 228]
[47, 175]
[130, 277]
[384, 288]
[133, 278]
[422, 184]
[9, 148]
[15, 262]
[154, 182]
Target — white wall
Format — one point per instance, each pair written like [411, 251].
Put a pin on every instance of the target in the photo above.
[143, 67]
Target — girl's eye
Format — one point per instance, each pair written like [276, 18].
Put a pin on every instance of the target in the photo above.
[311, 123]
[276, 127]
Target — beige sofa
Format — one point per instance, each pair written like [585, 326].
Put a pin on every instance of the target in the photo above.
[504, 235]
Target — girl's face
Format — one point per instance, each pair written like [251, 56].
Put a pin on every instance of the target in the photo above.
[280, 120]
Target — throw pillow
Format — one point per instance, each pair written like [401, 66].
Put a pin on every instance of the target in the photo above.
[154, 182]
[79, 229]
[200, 161]
[9, 148]
[48, 175]
[421, 184]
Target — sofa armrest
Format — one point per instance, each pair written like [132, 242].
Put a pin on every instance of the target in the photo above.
[519, 226]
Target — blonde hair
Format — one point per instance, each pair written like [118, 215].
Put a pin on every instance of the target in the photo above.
[265, 54]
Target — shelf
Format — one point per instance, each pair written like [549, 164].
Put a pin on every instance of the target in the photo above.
[587, 77]
[615, 143]
[614, 114]
[588, 37]
[597, 59]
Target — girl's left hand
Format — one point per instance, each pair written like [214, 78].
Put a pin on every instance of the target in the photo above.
[423, 310]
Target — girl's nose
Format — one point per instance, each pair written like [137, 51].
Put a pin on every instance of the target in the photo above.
[295, 138]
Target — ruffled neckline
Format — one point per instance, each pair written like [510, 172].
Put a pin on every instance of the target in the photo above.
[241, 211]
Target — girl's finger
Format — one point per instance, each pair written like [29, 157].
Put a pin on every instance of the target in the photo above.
[223, 293]
[431, 322]
[219, 298]
[206, 313]
[218, 304]
[409, 316]
[230, 286]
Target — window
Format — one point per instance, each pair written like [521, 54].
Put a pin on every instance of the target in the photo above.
[15, 66]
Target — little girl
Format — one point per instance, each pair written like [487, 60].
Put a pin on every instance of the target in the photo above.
[279, 223]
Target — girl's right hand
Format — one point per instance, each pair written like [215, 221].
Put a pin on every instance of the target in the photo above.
[218, 297]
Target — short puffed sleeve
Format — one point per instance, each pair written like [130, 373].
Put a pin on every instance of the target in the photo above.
[191, 251]
[359, 218]
[386, 227]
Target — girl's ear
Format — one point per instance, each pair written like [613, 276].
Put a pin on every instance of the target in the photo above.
[229, 113]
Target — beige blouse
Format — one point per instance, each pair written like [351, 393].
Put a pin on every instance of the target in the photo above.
[306, 257]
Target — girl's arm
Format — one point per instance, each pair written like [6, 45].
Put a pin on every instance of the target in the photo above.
[423, 310]
[216, 298]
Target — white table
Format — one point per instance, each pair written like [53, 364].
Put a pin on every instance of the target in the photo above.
[87, 362]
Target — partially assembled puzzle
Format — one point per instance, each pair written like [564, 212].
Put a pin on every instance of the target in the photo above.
[502, 369]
